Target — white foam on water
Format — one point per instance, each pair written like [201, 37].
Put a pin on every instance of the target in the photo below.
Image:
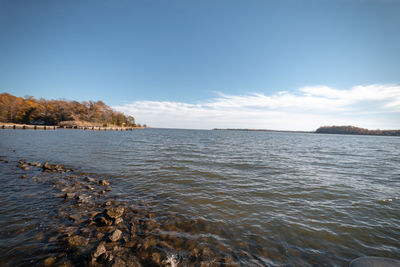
[172, 259]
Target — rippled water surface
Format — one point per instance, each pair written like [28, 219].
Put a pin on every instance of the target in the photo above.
[269, 198]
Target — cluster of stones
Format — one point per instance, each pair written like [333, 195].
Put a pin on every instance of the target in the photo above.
[95, 229]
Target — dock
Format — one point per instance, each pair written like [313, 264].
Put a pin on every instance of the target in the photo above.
[46, 127]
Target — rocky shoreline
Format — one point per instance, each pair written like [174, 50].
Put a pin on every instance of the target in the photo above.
[93, 228]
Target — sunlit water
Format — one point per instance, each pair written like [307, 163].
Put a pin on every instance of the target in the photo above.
[269, 198]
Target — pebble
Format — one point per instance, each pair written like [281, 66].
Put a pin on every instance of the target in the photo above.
[49, 261]
[114, 212]
[116, 235]
[77, 241]
[104, 182]
[101, 249]
[90, 179]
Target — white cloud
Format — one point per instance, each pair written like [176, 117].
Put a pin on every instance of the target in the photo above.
[372, 106]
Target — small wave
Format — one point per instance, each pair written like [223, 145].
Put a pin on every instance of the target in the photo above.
[173, 260]
[390, 199]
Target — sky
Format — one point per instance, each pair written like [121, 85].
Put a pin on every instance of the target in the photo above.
[279, 64]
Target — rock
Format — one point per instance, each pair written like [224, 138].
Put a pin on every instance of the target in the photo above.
[74, 217]
[99, 236]
[118, 221]
[118, 262]
[46, 167]
[101, 221]
[101, 249]
[23, 166]
[107, 257]
[49, 261]
[108, 203]
[108, 189]
[90, 179]
[83, 199]
[114, 213]
[89, 187]
[69, 195]
[77, 241]
[22, 176]
[156, 258]
[116, 235]
[104, 182]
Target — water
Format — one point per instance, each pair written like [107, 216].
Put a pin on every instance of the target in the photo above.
[267, 198]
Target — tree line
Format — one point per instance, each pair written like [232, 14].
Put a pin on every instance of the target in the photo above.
[29, 110]
[355, 130]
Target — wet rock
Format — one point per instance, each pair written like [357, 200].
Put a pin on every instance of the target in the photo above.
[90, 179]
[107, 257]
[83, 199]
[102, 221]
[99, 236]
[47, 167]
[118, 262]
[156, 258]
[23, 166]
[118, 221]
[22, 176]
[77, 241]
[104, 182]
[108, 203]
[101, 249]
[49, 261]
[74, 217]
[35, 164]
[108, 189]
[89, 187]
[149, 242]
[116, 235]
[114, 213]
[130, 244]
[69, 195]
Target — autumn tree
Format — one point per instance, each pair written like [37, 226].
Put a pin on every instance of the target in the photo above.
[28, 110]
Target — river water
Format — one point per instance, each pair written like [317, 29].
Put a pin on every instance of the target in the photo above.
[268, 198]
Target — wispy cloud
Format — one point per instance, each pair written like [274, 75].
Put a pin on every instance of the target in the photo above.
[371, 106]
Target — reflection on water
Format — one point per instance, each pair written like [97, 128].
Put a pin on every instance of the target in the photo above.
[264, 198]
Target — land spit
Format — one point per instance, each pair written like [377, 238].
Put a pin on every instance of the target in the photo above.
[94, 228]
[48, 127]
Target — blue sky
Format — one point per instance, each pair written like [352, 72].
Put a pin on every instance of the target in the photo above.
[179, 56]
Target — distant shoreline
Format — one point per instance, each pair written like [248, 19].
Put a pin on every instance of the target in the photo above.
[261, 130]
[344, 130]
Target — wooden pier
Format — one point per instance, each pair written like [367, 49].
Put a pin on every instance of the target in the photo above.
[45, 127]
